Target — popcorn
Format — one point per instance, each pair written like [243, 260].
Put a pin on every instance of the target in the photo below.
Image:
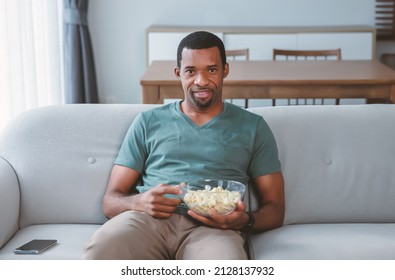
[201, 201]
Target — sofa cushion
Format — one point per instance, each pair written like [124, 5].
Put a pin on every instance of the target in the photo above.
[63, 157]
[71, 241]
[326, 242]
[338, 162]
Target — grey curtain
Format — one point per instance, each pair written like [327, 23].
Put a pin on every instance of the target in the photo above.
[80, 76]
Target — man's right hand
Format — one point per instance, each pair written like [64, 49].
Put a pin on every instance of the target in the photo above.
[155, 203]
[118, 198]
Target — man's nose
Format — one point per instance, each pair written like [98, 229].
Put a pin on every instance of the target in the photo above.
[201, 79]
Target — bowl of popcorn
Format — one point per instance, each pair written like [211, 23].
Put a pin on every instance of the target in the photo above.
[221, 195]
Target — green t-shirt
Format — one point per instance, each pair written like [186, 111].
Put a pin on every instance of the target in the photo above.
[165, 146]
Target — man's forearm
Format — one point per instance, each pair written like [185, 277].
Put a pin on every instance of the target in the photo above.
[117, 203]
[269, 216]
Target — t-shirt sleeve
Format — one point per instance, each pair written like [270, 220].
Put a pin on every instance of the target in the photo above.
[132, 152]
[265, 154]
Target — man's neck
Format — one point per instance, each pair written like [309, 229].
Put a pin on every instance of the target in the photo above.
[201, 116]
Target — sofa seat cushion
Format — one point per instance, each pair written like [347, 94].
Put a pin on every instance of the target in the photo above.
[326, 242]
[71, 240]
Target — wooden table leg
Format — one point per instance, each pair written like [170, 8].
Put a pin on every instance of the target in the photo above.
[389, 100]
[150, 95]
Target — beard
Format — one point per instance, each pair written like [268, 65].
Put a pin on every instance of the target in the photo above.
[203, 103]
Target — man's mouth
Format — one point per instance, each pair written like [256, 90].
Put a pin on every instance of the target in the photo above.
[203, 93]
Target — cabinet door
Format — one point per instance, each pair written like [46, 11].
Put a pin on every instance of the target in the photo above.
[261, 45]
[354, 45]
[163, 45]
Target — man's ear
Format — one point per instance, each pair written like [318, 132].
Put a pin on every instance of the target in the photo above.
[226, 70]
[177, 72]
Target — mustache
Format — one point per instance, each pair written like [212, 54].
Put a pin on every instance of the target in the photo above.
[201, 89]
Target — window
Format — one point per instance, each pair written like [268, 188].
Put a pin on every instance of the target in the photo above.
[31, 58]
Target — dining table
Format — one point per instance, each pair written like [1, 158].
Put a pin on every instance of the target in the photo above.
[264, 79]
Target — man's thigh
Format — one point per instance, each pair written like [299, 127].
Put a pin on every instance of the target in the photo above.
[208, 243]
[129, 235]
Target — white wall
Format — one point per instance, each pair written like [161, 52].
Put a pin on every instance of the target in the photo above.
[118, 29]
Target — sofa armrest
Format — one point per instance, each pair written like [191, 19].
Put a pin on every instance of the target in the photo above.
[9, 202]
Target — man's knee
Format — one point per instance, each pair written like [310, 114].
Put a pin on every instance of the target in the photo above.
[126, 236]
[213, 244]
[105, 243]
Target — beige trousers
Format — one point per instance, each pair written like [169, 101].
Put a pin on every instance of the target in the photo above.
[137, 235]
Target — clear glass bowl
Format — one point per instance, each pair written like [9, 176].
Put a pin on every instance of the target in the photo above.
[222, 195]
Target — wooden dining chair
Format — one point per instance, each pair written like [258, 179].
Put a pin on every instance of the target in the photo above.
[388, 59]
[328, 54]
[238, 54]
[334, 54]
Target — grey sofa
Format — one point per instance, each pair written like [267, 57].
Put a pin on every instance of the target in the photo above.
[338, 163]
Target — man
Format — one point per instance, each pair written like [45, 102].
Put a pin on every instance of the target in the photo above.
[197, 138]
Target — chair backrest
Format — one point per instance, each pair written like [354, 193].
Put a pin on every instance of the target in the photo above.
[235, 54]
[328, 54]
[388, 59]
[239, 54]
[308, 54]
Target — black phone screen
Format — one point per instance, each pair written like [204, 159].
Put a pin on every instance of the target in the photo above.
[35, 246]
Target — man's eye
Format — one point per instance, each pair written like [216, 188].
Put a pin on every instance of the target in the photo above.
[189, 71]
[212, 70]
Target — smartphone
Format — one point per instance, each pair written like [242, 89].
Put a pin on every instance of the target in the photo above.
[35, 246]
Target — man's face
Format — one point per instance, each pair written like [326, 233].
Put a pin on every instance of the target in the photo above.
[202, 73]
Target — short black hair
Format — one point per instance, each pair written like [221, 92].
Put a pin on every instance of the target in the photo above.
[201, 40]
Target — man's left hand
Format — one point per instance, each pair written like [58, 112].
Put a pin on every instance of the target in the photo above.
[235, 220]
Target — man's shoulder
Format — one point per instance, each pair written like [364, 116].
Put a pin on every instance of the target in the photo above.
[236, 110]
[159, 112]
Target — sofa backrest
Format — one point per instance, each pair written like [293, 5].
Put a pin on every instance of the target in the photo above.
[338, 161]
[63, 156]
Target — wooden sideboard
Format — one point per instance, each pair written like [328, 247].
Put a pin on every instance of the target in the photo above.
[356, 42]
